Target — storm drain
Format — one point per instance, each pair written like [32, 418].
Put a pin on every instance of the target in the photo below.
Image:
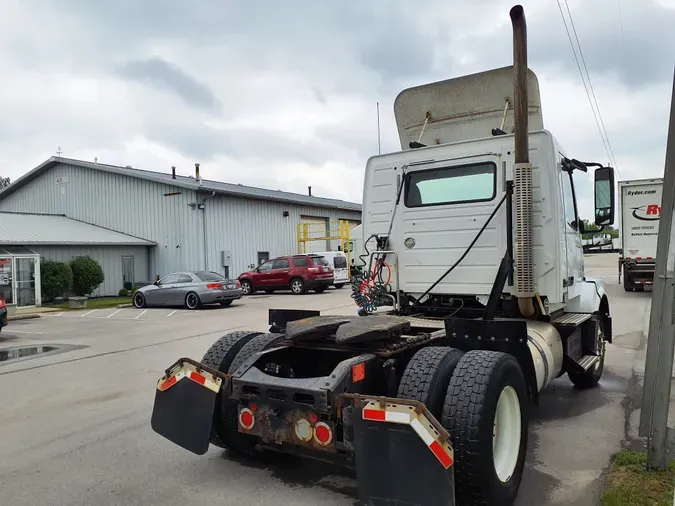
[20, 353]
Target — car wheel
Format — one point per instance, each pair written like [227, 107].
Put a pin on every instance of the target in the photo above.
[246, 287]
[339, 285]
[192, 301]
[320, 289]
[226, 303]
[139, 300]
[298, 286]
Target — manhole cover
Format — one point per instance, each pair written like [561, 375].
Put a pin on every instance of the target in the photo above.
[18, 353]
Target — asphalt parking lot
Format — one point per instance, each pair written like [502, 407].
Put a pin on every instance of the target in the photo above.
[75, 425]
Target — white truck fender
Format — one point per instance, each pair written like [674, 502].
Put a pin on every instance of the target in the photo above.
[592, 292]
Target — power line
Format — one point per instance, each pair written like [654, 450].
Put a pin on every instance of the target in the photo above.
[588, 87]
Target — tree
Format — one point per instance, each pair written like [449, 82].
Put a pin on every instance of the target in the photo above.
[4, 182]
[87, 275]
[56, 279]
[590, 229]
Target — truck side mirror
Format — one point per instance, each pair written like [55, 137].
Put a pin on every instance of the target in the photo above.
[604, 196]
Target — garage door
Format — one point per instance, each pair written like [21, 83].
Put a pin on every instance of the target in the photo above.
[316, 227]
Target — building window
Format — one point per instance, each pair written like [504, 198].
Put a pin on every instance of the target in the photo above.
[451, 185]
[128, 272]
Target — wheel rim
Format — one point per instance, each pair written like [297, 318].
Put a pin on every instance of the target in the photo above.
[246, 287]
[297, 286]
[506, 434]
[138, 300]
[192, 301]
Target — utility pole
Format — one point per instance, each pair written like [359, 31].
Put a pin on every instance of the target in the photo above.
[661, 340]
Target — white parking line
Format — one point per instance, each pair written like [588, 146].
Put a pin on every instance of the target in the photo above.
[23, 332]
[172, 313]
[113, 313]
[87, 313]
[141, 314]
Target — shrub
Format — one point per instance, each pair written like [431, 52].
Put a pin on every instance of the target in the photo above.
[87, 275]
[56, 279]
[134, 288]
[123, 293]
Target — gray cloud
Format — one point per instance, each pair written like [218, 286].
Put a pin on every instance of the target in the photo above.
[162, 74]
[272, 73]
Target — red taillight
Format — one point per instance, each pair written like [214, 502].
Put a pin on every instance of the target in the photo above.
[2, 303]
[214, 286]
[246, 418]
[323, 434]
[313, 270]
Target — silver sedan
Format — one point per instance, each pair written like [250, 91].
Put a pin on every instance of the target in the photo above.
[189, 289]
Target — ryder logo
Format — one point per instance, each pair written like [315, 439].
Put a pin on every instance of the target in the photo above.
[651, 212]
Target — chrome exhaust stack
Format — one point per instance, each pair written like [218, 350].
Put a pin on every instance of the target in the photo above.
[522, 169]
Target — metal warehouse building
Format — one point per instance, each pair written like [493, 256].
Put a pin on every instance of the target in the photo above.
[169, 222]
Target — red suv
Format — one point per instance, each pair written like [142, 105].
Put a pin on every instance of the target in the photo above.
[299, 273]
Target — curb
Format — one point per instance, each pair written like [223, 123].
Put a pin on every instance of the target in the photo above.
[23, 317]
[124, 305]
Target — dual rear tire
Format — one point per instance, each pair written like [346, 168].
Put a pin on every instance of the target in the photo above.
[480, 398]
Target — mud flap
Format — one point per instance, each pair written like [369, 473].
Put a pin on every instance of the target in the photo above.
[402, 455]
[184, 404]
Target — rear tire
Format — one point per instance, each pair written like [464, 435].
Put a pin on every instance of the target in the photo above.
[486, 417]
[226, 303]
[320, 289]
[192, 301]
[219, 356]
[427, 375]
[298, 286]
[339, 285]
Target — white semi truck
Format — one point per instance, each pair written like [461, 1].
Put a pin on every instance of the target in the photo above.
[475, 240]
[640, 212]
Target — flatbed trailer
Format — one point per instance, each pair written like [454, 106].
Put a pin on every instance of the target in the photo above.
[463, 317]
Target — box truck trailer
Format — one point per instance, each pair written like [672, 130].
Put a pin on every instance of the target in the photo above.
[640, 211]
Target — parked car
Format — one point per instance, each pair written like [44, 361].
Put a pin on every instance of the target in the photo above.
[298, 273]
[340, 269]
[3, 313]
[189, 289]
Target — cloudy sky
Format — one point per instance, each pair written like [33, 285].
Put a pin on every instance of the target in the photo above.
[283, 94]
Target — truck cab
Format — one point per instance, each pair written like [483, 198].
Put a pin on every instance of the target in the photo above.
[434, 197]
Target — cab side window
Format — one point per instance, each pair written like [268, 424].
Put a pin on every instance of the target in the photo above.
[569, 201]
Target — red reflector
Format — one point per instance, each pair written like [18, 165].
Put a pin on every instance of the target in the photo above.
[168, 383]
[358, 372]
[445, 459]
[253, 406]
[323, 434]
[374, 414]
[313, 418]
[198, 378]
[214, 286]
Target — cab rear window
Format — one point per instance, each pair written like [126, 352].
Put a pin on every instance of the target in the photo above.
[340, 262]
[451, 185]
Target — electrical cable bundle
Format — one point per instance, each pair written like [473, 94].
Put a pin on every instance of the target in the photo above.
[371, 289]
